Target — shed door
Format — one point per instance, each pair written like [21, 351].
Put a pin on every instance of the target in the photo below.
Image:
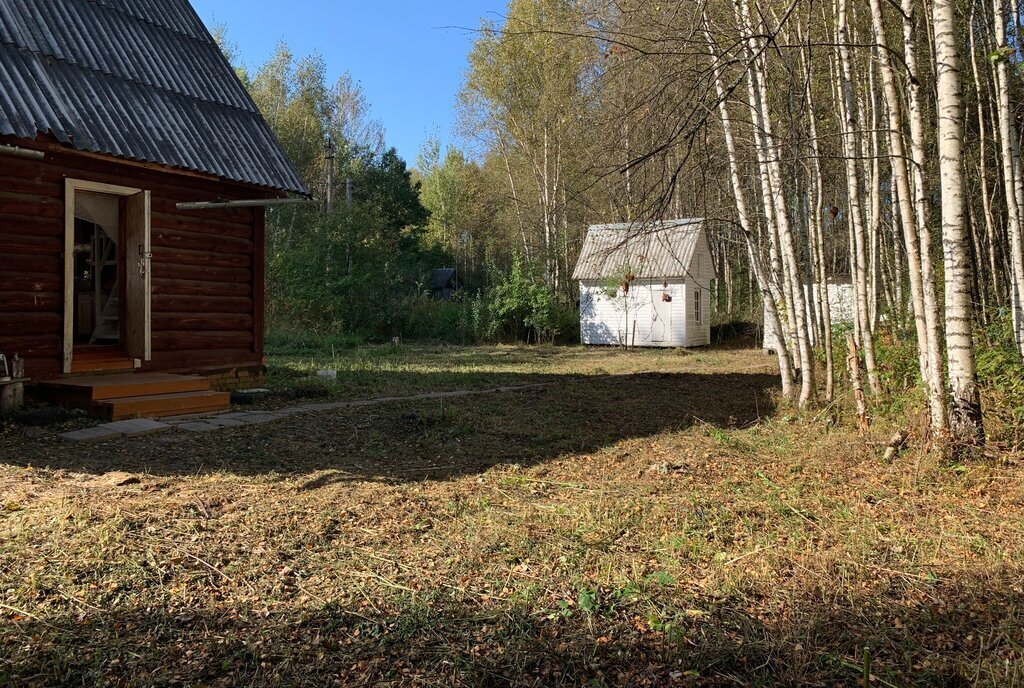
[138, 287]
[661, 317]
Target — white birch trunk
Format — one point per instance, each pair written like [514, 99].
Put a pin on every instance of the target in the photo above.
[859, 248]
[771, 307]
[1012, 177]
[772, 153]
[965, 401]
[911, 238]
[921, 203]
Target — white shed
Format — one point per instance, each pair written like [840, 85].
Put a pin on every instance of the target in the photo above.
[646, 285]
[840, 301]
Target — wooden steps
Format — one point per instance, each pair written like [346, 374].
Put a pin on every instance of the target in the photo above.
[135, 395]
[165, 405]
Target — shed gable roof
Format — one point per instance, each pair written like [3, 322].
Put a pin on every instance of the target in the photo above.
[135, 79]
[659, 251]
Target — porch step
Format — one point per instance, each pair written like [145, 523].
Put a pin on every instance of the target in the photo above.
[164, 405]
[135, 395]
[92, 388]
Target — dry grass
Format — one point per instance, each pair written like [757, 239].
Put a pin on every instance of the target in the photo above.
[376, 371]
[661, 529]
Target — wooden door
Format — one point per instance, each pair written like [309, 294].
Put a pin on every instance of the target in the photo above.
[138, 279]
[661, 317]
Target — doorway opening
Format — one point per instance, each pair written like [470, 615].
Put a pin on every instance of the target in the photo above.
[99, 263]
[107, 282]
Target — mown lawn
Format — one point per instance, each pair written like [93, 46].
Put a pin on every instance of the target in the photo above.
[375, 371]
[667, 526]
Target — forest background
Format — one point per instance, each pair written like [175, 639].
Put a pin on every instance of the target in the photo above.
[820, 138]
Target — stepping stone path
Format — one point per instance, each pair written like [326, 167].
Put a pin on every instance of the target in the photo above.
[145, 426]
[111, 431]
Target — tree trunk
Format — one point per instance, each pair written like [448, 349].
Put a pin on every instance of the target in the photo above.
[771, 309]
[859, 248]
[965, 407]
[911, 238]
[772, 154]
[817, 234]
[1012, 176]
[933, 325]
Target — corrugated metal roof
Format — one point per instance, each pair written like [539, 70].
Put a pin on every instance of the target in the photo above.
[657, 250]
[136, 79]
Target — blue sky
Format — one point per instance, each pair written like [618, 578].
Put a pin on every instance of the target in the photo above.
[404, 53]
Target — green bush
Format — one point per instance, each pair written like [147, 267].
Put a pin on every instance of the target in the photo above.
[1001, 376]
[523, 308]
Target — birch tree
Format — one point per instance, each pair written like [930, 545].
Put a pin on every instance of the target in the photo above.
[965, 399]
[1012, 176]
[907, 218]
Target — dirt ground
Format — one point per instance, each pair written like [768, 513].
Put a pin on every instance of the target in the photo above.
[675, 526]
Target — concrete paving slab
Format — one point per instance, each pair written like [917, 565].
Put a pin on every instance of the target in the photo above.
[137, 427]
[235, 415]
[96, 434]
[318, 407]
[222, 422]
[290, 411]
[198, 426]
[256, 418]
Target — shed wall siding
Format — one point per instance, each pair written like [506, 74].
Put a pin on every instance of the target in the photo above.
[702, 274]
[697, 333]
[206, 311]
[841, 310]
[609, 321]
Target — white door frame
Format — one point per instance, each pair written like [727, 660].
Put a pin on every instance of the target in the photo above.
[71, 187]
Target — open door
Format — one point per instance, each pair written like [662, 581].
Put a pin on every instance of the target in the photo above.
[107, 282]
[139, 280]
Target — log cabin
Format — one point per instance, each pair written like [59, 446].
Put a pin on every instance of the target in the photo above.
[134, 175]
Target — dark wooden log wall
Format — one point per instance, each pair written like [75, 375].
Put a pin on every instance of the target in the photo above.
[207, 265]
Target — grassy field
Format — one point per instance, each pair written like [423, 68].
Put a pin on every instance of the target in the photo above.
[670, 525]
[375, 371]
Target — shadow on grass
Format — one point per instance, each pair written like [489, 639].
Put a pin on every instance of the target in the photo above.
[402, 441]
[966, 635]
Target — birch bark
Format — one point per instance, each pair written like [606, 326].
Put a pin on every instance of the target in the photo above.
[859, 249]
[1012, 176]
[921, 203]
[965, 401]
[901, 175]
[771, 152]
[771, 307]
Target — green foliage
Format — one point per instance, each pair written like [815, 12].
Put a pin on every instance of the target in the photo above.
[358, 271]
[616, 281]
[522, 307]
[587, 600]
[1001, 376]
[897, 358]
[1001, 54]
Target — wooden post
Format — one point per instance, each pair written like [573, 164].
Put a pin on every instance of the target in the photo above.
[853, 361]
[12, 396]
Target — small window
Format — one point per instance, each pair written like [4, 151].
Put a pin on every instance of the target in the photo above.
[698, 303]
